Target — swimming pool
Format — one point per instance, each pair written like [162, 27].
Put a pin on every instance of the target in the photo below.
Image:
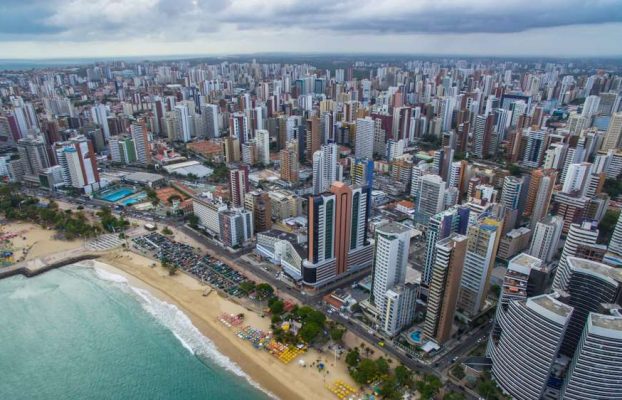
[415, 336]
[134, 200]
[117, 194]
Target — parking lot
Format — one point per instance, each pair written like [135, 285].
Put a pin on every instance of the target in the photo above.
[185, 257]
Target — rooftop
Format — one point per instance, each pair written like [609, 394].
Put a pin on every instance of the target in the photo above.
[549, 303]
[611, 322]
[392, 228]
[594, 267]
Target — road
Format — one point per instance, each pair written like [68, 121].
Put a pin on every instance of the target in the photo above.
[234, 260]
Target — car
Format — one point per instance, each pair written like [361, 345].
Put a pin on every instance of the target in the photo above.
[454, 359]
[371, 332]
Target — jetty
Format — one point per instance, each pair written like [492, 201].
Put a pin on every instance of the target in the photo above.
[30, 268]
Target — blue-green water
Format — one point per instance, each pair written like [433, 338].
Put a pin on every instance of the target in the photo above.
[81, 333]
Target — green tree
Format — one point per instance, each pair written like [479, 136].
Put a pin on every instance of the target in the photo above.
[389, 389]
[277, 307]
[353, 358]
[167, 231]
[336, 333]
[613, 187]
[458, 372]
[366, 372]
[428, 387]
[382, 366]
[193, 221]
[514, 170]
[309, 331]
[264, 291]
[403, 376]
[453, 396]
[607, 225]
[247, 287]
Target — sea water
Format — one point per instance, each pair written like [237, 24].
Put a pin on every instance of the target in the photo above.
[83, 333]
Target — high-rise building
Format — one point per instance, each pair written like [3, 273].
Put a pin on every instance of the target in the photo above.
[444, 288]
[589, 285]
[615, 244]
[259, 204]
[614, 132]
[511, 192]
[337, 234]
[262, 137]
[581, 323]
[482, 135]
[545, 238]
[236, 227]
[140, 137]
[431, 196]
[572, 208]
[207, 210]
[325, 169]
[99, 113]
[595, 371]
[183, 123]
[209, 113]
[238, 185]
[239, 128]
[578, 234]
[392, 241]
[33, 156]
[364, 145]
[79, 166]
[576, 177]
[532, 331]
[482, 244]
[534, 151]
[539, 195]
[362, 172]
[440, 226]
[289, 163]
[312, 136]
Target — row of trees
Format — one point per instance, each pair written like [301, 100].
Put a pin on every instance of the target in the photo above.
[71, 225]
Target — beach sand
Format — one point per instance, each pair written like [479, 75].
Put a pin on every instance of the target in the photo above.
[34, 239]
[290, 381]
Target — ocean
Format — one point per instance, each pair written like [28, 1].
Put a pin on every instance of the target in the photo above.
[84, 333]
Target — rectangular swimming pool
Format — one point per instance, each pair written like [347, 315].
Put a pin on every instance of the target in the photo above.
[136, 199]
[118, 194]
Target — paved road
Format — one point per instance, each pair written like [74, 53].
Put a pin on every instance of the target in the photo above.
[234, 260]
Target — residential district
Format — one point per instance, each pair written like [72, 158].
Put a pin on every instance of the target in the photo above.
[460, 214]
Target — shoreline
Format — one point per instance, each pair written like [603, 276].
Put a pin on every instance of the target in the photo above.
[185, 292]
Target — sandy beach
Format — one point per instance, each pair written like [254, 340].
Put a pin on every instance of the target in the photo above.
[290, 381]
[33, 241]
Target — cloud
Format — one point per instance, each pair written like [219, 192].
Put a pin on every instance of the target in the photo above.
[80, 20]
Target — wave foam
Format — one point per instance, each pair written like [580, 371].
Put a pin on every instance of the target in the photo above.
[181, 326]
[109, 276]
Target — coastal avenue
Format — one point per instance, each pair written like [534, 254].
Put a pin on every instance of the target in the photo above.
[235, 260]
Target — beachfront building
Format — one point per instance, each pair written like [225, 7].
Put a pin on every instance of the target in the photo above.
[392, 241]
[236, 227]
[444, 287]
[337, 231]
[207, 210]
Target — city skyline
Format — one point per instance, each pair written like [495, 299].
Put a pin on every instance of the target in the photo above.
[105, 28]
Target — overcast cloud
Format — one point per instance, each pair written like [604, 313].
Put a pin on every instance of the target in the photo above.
[126, 27]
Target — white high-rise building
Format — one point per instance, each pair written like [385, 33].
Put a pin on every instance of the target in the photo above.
[511, 192]
[522, 358]
[431, 196]
[364, 145]
[576, 177]
[263, 146]
[183, 123]
[614, 132]
[545, 239]
[140, 137]
[615, 244]
[585, 233]
[325, 168]
[210, 120]
[595, 371]
[392, 241]
[99, 113]
[590, 106]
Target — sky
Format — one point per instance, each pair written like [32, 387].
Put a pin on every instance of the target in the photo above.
[113, 28]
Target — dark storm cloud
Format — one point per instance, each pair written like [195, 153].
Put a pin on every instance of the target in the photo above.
[173, 19]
